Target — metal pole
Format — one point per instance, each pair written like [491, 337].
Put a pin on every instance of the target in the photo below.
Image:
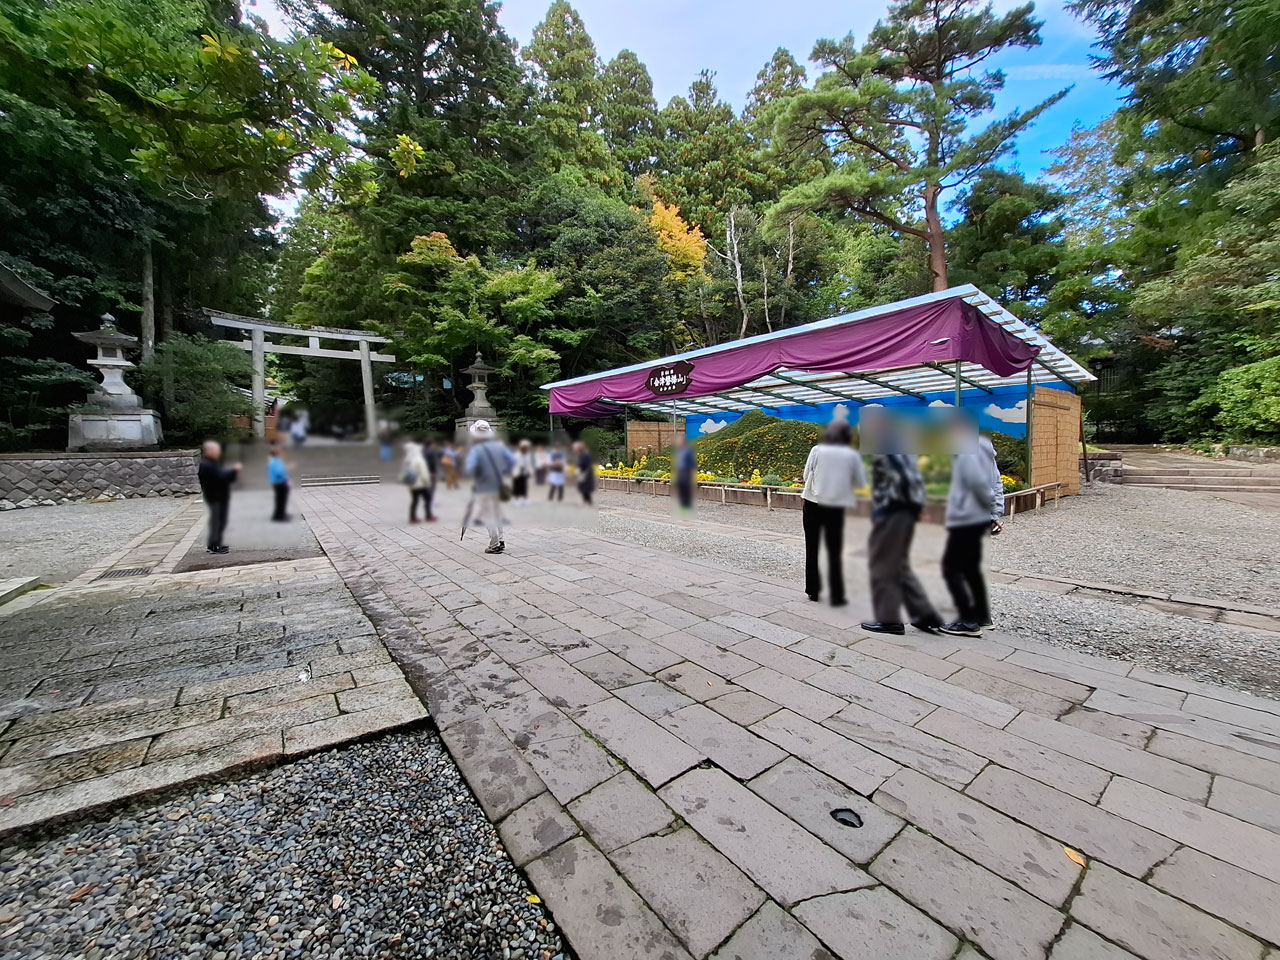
[959, 381]
[1030, 406]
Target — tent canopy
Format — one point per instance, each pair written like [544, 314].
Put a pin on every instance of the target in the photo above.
[910, 347]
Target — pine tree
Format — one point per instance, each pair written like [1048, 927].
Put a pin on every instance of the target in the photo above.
[893, 115]
[562, 60]
[451, 84]
[706, 162]
[628, 112]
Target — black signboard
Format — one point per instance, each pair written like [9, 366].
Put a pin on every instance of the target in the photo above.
[670, 380]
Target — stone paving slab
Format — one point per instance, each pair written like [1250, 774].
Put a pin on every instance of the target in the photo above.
[130, 694]
[690, 720]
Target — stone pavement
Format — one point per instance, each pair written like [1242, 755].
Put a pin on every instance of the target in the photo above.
[117, 687]
[692, 761]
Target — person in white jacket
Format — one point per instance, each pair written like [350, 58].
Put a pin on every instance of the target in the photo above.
[831, 475]
[975, 504]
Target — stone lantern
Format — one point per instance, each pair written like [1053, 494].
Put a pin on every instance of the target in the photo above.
[479, 408]
[121, 422]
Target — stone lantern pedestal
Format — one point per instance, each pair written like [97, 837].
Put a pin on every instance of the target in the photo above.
[121, 422]
[479, 408]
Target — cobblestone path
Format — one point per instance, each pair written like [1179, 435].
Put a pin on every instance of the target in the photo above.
[691, 761]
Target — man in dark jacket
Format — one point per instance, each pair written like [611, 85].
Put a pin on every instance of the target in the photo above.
[897, 500]
[215, 484]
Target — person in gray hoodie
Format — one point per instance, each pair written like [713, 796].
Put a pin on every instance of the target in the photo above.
[973, 511]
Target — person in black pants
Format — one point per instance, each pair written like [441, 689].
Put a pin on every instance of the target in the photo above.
[973, 509]
[586, 472]
[215, 484]
[278, 477]
[831, 474]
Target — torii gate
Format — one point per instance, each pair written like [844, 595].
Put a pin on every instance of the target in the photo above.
[258, 346]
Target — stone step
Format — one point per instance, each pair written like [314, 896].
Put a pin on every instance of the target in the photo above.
[1205, 471]
[1198, 480]
[1209, 487]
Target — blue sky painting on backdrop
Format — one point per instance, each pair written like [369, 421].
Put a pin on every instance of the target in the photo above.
[677, 38]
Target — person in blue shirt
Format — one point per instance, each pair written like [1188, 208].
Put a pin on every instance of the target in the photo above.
[489, 462]
[278, 477]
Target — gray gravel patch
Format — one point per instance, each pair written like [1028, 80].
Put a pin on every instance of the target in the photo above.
[1172, 541]
[1217, 653]
[376, 849]
[59, 543]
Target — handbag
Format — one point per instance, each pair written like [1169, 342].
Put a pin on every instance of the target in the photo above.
[504, 488]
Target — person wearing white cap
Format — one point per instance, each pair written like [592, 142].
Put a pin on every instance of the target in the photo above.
[488, 463]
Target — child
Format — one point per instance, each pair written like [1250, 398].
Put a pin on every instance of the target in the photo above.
[278, 477]
[555, 474]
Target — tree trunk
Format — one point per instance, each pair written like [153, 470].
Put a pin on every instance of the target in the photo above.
[731, 236]
[166, 329]
[764, 277]
[791, 262]
[148, 302]
[937, 238]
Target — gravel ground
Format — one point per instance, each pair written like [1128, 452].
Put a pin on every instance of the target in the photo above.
[1205, 651]
[59, 543]
[1174, 541]
[376, 849]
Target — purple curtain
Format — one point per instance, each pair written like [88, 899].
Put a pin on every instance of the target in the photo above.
[947, 330]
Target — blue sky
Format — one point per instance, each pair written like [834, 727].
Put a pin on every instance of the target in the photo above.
[677, 38]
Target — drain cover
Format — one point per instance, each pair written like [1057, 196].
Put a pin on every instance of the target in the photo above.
[123, 572]
[846, 817]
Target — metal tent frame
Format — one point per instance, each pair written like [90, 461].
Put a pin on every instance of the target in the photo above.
[793, 387]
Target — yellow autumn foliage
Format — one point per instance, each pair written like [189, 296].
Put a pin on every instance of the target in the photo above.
[684, 246]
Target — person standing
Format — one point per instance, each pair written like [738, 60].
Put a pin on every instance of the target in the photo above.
[215, 485]
[278, 477]
[586, 465]
[972, 514]
[488, 463]
[421, 480]
[540, 464]
[556, 466]
[831, 474]
[522, 473]
[686, 464]
[897, 500]
[449, 462]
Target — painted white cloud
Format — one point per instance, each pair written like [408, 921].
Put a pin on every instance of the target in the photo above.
[1015, 414]
[941, 403]
[711, 426]
[840, 413]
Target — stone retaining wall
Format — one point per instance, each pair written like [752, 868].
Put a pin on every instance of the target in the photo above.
[1255, 454]
[47, 479]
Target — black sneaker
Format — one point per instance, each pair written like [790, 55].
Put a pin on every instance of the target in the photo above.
[875, 626]
[498, 549]
[220, 550]
[928, 626]
[839, 602]
[961, 629]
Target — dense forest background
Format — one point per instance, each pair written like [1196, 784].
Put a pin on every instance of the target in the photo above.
[456, 191]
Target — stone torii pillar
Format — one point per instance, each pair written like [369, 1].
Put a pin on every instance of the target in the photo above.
[366, 381]
[257, 350]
